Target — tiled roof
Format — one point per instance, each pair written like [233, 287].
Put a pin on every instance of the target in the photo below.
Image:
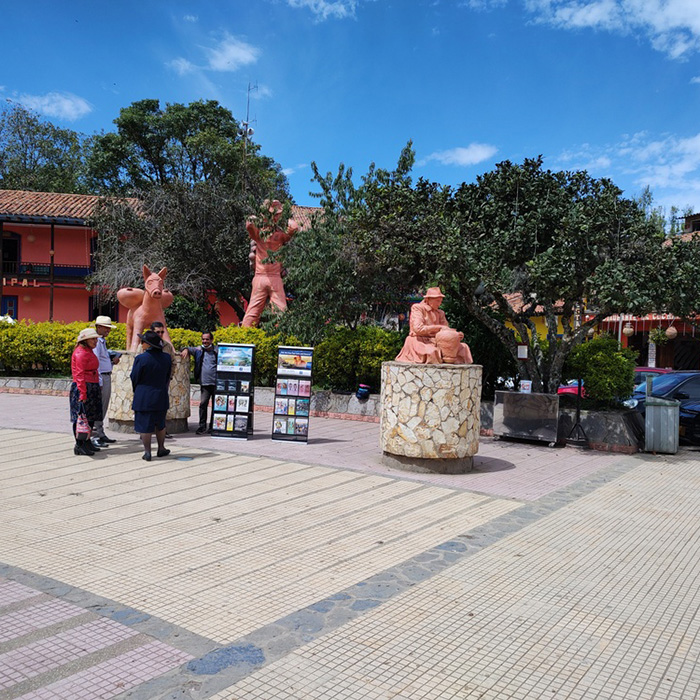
[57, 206]
[46, 205]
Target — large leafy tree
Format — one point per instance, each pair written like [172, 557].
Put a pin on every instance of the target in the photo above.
[187, 144]
[519, 242]
[38, 156]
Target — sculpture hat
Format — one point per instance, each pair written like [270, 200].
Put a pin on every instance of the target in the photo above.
[151, 338]
[104, 321]
[86, 334]
[434, 293]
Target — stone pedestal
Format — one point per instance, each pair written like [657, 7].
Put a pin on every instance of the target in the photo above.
[120, 413]
[429, 420]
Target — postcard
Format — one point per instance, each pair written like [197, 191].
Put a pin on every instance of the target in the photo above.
[279, 426]
[281, 406]
[220, 402]
[235, 358]
[219, 423]
[242, 404]
[241, 424]
[301, 426]
[294, 361]
[244, 387]
[290, 426]
[302, 408]
[281, 387]
[231, 404]
[220, 386]
[304, 387]
[293, 387]
[229, 422]
[291, 404]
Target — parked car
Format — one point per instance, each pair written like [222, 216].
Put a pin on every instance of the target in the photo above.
[681, 385]
[571, 387]
[641, 373]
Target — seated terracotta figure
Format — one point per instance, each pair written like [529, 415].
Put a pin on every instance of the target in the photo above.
[431, 341]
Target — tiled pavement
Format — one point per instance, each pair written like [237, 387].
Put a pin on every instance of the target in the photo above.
[241, 570]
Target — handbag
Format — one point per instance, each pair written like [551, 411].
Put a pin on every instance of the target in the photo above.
[82, 427]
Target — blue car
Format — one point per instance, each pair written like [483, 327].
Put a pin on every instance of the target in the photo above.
[681, 385]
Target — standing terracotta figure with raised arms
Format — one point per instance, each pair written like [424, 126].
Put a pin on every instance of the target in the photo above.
[267, 281]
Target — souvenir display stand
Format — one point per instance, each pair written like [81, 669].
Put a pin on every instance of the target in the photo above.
[290, 420]
[232, 415]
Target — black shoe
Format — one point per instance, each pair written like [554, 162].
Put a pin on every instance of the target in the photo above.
[97, 443]
[90, 447]
[104, 438]
[80, 449]
[200, 431]
[146, 456]
[168, 435]
[163, 453]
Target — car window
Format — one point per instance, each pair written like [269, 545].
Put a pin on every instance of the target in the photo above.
[691, 387]
[666, 383]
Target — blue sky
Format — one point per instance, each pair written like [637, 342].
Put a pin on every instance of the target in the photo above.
[610, 86]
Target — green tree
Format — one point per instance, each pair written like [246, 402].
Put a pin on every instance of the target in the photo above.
[38, 156]
[189, 144]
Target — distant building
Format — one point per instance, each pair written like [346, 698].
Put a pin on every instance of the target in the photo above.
[47, 252]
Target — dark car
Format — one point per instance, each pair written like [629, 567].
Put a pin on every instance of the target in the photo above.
[681, 385]
[641, 373]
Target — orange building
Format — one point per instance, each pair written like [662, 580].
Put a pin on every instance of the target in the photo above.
[47, 251]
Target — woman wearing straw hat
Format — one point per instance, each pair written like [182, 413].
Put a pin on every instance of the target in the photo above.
[85, 394]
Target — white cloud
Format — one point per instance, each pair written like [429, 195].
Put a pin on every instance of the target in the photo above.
[471, 155]
[191, 18]
[291, 171]
[182, 66]
[325, 9]
[231, 54]
[262, 93]
[672, 26]
[669, 165]
[62, 105]
[695, 80]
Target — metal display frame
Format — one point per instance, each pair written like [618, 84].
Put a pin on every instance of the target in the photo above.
[233, 401]
[292, 406]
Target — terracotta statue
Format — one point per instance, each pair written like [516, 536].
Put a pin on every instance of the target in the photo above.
[267, 280]
[431, 340]
[145, 306]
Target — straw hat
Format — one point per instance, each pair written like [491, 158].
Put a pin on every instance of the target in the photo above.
[104, 321]
[86, 334]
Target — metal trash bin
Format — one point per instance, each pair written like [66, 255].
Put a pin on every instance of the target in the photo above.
[661, 425]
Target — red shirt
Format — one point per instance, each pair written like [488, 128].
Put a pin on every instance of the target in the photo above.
[84, 366]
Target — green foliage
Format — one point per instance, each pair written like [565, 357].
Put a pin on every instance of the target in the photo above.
[36, 155]
[607, 369]
[346, 358]
[185, 313]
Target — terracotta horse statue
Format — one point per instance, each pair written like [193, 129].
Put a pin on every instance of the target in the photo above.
[145, 306]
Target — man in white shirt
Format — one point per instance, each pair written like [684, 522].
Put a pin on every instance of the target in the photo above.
[103, 326]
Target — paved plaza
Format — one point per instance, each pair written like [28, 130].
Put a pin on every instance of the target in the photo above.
[241, 570]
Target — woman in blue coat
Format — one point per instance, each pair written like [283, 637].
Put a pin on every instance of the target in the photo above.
[150, 376]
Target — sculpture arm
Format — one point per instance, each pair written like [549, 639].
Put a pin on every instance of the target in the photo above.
[253, 230]
[166, 298]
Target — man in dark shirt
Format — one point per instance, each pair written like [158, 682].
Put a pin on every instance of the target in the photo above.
[204, 375]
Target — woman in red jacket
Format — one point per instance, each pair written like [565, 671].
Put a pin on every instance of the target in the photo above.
[85, 393]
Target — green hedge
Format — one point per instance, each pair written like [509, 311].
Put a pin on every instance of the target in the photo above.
[344, 359]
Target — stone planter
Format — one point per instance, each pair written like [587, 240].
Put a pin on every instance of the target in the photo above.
[120, 413]
[430, 416]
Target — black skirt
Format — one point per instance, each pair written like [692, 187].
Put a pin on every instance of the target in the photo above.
[93, 405]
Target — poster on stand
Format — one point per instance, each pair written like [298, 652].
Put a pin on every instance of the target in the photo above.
[292, 405]
[233, 400]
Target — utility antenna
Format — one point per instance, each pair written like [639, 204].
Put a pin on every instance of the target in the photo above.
[246, 130]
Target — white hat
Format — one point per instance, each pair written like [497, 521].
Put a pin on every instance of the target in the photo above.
[104, 321]
[86, 334]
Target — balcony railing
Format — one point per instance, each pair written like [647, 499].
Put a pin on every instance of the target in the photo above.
[43, 269]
